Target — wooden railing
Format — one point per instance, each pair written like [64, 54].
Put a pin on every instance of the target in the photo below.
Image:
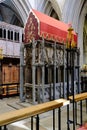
[78, 98]
[36, 110]
[30, 112]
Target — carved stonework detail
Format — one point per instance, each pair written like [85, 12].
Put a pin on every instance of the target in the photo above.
[28, 56]
[50, 55]
[31, 29]
[59, 57]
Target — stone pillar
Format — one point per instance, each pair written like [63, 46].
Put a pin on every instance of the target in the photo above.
[64, 68]
[6, 34]
[85, 55]
[2, 32]
[13, 36]
[33, 71]
[54, 75]
[43, 72]
[21, 68]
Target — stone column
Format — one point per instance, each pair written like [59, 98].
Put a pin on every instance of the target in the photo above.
[43, 72]
[13, 36]
[21, 68]
[33, 71]
[64, 68]
[54, 69]
[6, 34]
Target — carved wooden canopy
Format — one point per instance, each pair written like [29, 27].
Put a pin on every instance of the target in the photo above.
[40, 26]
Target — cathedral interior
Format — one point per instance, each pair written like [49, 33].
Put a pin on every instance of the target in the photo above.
[13, 18]
[36, 65]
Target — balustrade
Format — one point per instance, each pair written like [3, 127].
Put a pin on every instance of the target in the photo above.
[10, 32]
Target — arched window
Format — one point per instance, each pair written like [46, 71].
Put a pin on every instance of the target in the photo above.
[11, 35]
[1, 19]
[4, 31]
[0, 32]
[16, 36]
[8, 34]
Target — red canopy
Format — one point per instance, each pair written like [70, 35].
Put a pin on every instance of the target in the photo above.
[40, 25]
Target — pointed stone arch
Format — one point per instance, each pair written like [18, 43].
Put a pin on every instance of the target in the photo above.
[52, 8]
[75, 12]
[80, 31]
[22, 8]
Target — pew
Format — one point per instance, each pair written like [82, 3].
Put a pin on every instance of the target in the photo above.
[17, 115]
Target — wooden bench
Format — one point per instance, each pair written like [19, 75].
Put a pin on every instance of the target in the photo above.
[10, 89]
[17, 115]
[77, 98]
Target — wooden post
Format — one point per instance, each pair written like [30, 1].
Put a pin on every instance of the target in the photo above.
[1, 58]
[78, 65]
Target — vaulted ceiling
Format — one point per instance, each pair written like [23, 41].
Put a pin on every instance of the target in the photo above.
[9, 13]
[16, 11]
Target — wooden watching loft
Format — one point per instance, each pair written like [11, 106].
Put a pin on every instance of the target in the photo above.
[44, 41]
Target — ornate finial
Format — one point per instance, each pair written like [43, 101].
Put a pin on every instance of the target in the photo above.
[70, 38]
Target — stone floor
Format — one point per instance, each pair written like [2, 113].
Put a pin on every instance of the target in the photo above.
[9, 104]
